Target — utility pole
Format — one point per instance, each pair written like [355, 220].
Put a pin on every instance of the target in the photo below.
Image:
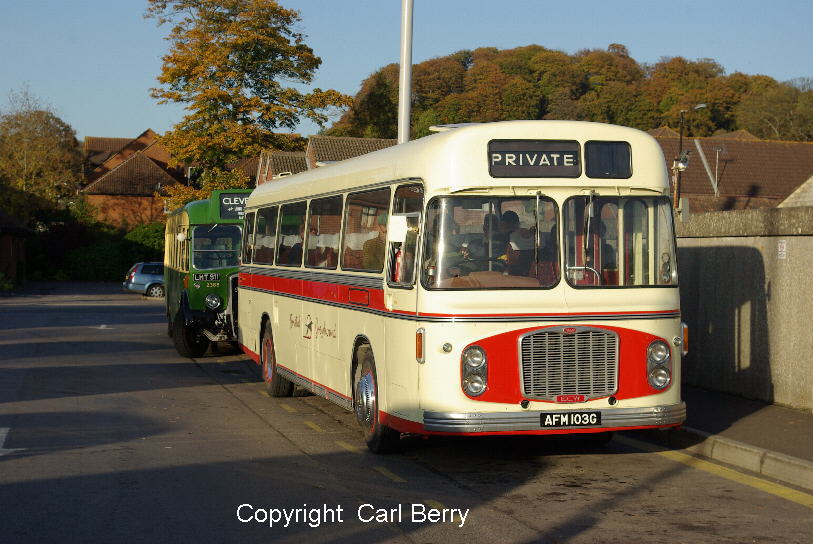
[405, 77]
[681, 161]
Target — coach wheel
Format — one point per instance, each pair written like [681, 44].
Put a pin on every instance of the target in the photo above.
[276, 385]
[189, 342]
[379, 437]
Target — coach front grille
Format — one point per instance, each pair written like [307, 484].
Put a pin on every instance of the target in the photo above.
[569, 361]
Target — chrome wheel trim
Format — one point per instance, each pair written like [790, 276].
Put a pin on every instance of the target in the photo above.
[365, 400]
[267, 360]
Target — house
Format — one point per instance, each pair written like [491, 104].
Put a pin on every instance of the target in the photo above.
[320, 151]
[97, 149]
[122, 182]
[323, 150]
[274, 164]
[738, 171]
[802, 196]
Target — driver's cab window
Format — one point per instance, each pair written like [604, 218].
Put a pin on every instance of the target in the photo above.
[490, 243]
[408, 202]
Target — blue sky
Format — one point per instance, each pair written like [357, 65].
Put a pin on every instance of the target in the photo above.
[94, 61]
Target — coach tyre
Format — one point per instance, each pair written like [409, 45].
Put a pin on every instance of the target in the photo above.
[379, 438]
[276, 385]
[188, 341]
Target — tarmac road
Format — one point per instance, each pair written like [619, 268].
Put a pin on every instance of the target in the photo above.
[107, 434]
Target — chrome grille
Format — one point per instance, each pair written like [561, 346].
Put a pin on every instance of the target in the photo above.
[554, 362]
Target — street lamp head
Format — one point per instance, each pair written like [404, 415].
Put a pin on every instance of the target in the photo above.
[699, 106]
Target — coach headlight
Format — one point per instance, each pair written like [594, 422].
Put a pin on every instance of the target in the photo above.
[474, 375]
[658, 351]
[212, 301]
[474, 357]
[659, 364]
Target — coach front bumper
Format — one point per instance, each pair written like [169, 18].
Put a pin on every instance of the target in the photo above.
[450, 422]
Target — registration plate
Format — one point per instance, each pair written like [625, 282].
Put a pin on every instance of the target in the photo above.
[570, 419]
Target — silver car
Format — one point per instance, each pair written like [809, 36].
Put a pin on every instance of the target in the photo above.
[146, 278]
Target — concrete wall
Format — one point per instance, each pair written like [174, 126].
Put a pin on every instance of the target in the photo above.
[746, 281]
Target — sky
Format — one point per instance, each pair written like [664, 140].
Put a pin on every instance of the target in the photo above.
[94, 61]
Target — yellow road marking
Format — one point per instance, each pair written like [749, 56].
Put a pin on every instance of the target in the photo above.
[264, 393]
[314, 426]
[391, 475]
[434, 504]
[799, 497]
[348, 447]
[287, 408]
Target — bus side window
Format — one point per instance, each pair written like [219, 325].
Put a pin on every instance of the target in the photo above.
[265, 235]
[248, 237]
[324, 225]
[365, 230]
[291, 234]
[408, 201]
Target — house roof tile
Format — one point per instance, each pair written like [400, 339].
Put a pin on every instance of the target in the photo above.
[663, 132]
[752, 169]
[248, 165]
[145, 140]
[98, 149]
[139, 175]
[333, 148]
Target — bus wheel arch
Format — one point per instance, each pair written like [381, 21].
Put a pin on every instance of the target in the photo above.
[379, 437]
[275, 385]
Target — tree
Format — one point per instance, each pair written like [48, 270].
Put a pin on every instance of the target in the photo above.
[533, 82]
[227, 60]
[777, 111]
[212, 179]
[40, 161]
[374, 112]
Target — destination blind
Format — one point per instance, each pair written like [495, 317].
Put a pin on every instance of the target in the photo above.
[533, 159]
[232, 205]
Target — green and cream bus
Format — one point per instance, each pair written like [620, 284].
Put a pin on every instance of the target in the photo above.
[502, 278]
[201, 261]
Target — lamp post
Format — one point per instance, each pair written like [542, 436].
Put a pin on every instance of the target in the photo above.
[681, 161]
[405, 73]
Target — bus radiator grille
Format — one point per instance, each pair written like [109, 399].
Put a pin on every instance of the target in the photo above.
[555, 363]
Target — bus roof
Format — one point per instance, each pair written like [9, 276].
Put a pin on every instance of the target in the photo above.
[458, 158]
[224, 206]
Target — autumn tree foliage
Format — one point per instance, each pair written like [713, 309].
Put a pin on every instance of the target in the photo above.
[229, 62]
[609, 86]
[213, 179]
[40, 161]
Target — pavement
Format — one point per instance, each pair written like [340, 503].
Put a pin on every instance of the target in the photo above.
[773, 441]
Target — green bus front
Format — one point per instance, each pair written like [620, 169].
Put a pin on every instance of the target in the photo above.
[201, 261]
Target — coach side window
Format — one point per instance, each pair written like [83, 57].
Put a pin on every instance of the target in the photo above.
[291, 234]
[408, 201]
[265, 235]
[365, 230]
[248, 237]
[324, 226]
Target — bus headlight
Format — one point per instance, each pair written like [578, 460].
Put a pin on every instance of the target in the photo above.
[658, 351]
[659, 364]
[212, 301]
[474, 357]
[475, 371]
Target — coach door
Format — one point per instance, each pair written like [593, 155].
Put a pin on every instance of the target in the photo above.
[400, 294]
